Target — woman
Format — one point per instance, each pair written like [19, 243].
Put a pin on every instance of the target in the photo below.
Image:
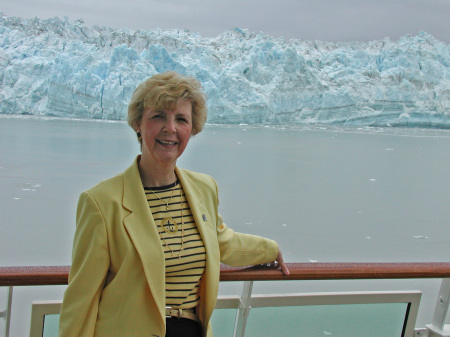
[149, 242]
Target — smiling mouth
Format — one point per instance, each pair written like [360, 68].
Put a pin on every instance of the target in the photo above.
[166, 142]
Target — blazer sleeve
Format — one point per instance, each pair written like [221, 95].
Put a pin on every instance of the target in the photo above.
[239, 249]
[90, 264]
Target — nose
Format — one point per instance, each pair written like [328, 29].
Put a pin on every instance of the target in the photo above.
[169, 127]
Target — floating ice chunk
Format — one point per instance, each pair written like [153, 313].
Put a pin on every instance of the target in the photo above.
[327, 333]
[239, 143]
[389, 149]
[405, 115]
[249, 223]
[420, 237]
[313, 260]
[16, 198]
[368, 237]
[284, 225]
[372, 179]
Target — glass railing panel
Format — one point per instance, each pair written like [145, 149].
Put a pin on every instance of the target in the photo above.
[223, 321]
[344, 320]
[51, 325]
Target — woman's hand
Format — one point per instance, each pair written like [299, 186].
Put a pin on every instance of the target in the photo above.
[283, 266]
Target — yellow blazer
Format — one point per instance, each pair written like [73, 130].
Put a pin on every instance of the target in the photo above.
[117, 279]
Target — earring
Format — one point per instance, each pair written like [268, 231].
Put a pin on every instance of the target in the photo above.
[139, 136]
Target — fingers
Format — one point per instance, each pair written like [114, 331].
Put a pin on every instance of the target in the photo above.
[281, 263]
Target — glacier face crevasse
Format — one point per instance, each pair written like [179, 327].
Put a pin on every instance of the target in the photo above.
[59, 68]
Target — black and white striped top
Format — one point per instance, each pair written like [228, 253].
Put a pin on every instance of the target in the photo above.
[183, 271]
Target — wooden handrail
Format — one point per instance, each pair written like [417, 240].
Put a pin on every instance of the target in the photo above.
[58, 275]
[34, 276]
[338, 271]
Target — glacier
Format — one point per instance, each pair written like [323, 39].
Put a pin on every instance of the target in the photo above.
[59, 68]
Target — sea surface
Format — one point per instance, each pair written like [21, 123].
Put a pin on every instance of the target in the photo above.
[325, 194]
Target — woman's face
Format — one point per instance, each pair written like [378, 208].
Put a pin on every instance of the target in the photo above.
[165, 133]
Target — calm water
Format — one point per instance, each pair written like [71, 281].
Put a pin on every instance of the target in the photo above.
[325, 194]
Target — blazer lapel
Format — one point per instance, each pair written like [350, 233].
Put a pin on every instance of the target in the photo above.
[143, 232]
[207, 228]
[201, 216]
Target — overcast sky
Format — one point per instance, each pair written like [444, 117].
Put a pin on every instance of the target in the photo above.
[326, 20]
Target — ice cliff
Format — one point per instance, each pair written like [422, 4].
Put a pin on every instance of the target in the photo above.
[59, 68]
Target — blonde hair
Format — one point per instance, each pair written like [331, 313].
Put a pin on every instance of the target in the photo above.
[164, 91]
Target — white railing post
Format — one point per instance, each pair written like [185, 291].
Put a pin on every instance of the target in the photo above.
[6, 314]
[244, 310]
[438, 328]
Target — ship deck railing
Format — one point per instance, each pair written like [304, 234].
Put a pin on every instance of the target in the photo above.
[243, 306]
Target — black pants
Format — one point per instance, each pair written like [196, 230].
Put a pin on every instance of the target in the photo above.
[182, 327]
